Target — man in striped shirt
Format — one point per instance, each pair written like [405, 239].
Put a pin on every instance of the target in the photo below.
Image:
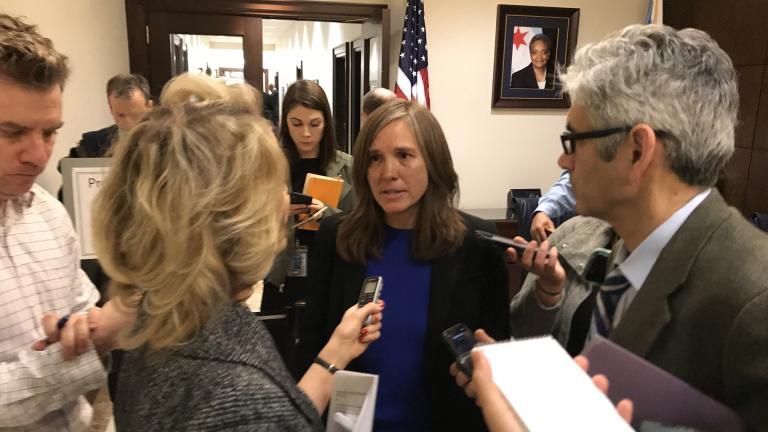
[39, 264]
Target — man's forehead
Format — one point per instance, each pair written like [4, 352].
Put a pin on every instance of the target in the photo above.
[132, 96]
[30, 107]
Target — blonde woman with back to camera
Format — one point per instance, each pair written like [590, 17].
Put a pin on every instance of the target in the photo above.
[191, 216]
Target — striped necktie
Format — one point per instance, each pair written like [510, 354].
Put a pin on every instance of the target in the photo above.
[613, 287]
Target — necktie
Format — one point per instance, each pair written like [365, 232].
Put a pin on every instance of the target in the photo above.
[613, 287]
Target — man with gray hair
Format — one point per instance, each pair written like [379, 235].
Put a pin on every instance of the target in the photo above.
[650, 127]
[374, 99]
[39, 259]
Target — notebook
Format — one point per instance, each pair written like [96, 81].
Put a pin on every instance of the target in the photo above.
[325, 189]
[547, 389]
[659, 397]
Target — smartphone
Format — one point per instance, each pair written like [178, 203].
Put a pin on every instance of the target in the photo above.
[597, 266]
[318, 214]
[370, 292]
[300, 198]
[461, 340]
[506, 242]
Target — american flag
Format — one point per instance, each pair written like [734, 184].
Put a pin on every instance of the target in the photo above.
[412, 76]
[655, 14]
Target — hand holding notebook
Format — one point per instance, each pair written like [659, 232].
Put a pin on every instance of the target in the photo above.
[326, 189]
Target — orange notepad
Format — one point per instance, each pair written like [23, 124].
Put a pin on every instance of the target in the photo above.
[325, 189]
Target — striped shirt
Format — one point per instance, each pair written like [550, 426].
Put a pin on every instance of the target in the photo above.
[40, 273]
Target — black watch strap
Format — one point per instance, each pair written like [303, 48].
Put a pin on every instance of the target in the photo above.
[328, 366]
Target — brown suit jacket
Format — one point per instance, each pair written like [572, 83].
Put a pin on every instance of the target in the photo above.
[702, 313]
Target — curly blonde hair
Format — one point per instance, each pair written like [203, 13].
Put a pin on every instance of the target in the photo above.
[192, 211]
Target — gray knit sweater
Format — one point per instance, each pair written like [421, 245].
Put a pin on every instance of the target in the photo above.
[230, 377]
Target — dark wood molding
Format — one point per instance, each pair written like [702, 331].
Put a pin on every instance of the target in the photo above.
[739, 28]
[138, 45]
[138, 12]
[295, 10]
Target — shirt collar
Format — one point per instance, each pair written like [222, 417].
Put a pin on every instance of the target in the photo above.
[639, 263]
[16, 204]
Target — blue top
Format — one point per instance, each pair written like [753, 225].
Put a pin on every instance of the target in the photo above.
[559, 200]
[397, 357]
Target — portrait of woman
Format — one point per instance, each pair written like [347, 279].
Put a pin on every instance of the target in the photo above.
[539, 74]
[406, 228]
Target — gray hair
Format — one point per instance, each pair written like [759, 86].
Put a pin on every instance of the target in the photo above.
[679, 82]
[122, 85]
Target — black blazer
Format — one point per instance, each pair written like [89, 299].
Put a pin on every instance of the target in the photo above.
[93, 144]
[469, 285]
[526, 78]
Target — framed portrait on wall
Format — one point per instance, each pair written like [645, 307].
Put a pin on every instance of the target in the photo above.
[533, 45]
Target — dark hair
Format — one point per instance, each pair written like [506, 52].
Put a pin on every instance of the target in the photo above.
[310, 95]
[27, 58]
[544, 38]
[122, 85]
[439, 226]
[376, 98]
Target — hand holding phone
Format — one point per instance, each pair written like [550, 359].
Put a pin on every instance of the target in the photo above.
[519, 247]
[370, 292]
[460, 341]
[300, 198]
[318, 214]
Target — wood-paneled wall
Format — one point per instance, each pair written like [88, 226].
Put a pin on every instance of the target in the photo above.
[741, 29]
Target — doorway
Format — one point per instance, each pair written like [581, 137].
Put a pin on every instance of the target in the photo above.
[151, 25]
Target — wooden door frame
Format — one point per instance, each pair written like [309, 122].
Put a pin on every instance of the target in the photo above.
[137, 12]
[342, 50]
[247, 28]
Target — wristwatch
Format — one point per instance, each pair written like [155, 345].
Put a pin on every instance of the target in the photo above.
[328, 366]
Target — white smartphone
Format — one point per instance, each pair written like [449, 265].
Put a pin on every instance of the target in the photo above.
[370, 292]
[314, 217]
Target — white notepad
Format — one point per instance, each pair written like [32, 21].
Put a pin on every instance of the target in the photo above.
[353, 402]
[548, 390]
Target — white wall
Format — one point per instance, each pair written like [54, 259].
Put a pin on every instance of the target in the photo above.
[311, 42]
[92, 33]
[497, 149]
[494, 149]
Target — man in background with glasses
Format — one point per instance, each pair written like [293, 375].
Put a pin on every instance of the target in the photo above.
[685, 286]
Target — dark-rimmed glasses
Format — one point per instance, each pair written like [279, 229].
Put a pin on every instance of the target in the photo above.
[568, 139]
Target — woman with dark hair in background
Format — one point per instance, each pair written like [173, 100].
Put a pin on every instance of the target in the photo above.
[406, 228]
[308, 139]
[539, 74]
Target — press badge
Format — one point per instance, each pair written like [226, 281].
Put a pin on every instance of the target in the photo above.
[298, 262]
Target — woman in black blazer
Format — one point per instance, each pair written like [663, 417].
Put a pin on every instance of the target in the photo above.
[540, 70]
[406, 228]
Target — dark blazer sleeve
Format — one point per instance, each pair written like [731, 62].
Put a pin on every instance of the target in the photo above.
[313, 332]
[524, 78]
[495, 302]
[470, 286]
[333, 285]
[745, 368]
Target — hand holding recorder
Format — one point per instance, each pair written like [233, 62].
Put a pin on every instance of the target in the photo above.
[352, 336]
[541, 260]
[370, 293]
